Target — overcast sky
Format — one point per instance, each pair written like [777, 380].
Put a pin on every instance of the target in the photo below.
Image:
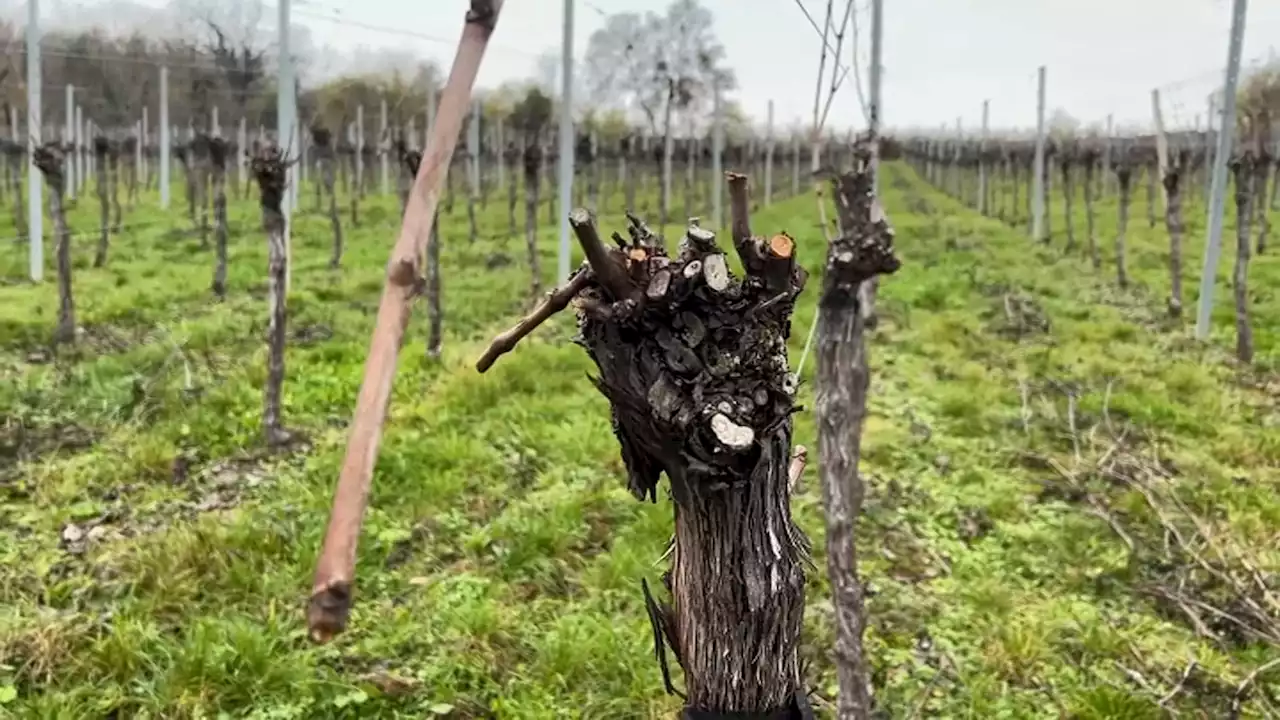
[941, 57]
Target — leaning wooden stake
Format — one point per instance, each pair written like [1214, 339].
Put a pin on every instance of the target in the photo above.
[693, 362]
[49, 160]
[269, 170]
[334, 584]
[863, 250]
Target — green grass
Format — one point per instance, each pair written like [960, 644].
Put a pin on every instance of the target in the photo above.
[500, 564]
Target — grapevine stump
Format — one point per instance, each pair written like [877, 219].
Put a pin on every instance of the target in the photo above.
[693, 362]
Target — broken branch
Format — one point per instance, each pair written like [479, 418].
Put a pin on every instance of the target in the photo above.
[740, 221]
[611, 273]
[554, 302]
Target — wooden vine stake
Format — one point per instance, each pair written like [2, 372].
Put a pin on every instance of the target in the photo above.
[863, 250]
[332, 592]
[693, 362]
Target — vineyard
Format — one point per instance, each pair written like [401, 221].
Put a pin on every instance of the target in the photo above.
[1070, 505]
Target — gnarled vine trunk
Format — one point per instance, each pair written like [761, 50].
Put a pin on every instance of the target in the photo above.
[512, 195]
[1173, 220]
[219, 149]
[1068, 198]
[435, 312]
[200, 183]
[1243, 168]
[1262, 175]
[863, 251]
[693, 362]
[532, 173]
[104, 203]
[50, 160]
[117, 220]
[1089, 188]
[1124, 175]
[269, 170]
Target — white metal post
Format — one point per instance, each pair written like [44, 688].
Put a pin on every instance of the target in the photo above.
[165, 142]
[1218, 192]
[145, 173]
[360, 148]
[1037, 207]
[566, 138]
[285, 134]
[215, 128]
[1162, 147]
[137, 150]
[82, 145]
[35, 183]
[876, 111]
[71, 141]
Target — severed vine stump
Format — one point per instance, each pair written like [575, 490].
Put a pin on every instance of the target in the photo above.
[693, 361]
[269, 168]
